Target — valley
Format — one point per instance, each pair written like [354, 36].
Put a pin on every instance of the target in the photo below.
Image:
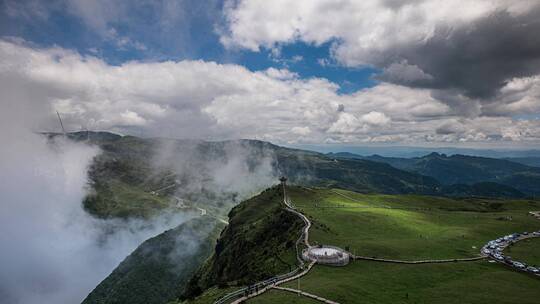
[376, 212]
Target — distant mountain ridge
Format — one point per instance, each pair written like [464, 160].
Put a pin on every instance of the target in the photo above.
[529, 161]
[123, 177]
[464, 169]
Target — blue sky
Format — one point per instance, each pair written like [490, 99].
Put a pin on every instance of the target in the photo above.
[198, 39]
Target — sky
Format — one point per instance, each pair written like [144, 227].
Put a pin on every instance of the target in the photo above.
[414, 73]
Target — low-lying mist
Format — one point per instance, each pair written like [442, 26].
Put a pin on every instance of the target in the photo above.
[55, 252]
[52, 250]
[218, 174]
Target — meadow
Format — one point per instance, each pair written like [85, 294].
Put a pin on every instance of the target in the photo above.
[527, 251]
[410, 227]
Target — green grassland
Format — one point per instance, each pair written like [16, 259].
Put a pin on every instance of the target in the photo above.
[413, 228]
[409, 226]
[527, 251]
[375, 282]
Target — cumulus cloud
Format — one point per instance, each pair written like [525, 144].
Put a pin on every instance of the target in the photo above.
[197, 99]
[349, 123]
[471, 48]
[375, 118]
[402, 72]
[518, 96]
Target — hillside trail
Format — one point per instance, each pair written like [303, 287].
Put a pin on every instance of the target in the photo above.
[261, 287]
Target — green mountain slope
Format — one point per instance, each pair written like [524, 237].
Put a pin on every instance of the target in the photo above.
[158, 270]
[258, 243]
[463, 169]
[126, 178]
[314, 169]
[529, 161]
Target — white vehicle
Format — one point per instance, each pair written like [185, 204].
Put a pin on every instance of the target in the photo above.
[499, 257]
[518, 265]
[486, 251]
[533, 270]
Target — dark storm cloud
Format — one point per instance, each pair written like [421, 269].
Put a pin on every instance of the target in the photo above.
[479, 57]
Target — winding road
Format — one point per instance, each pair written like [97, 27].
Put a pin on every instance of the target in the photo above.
[257, 289]
[495, 250]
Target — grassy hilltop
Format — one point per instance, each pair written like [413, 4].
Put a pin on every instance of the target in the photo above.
[413, 228]
[257, 244]
[408, 227]
[527, 251]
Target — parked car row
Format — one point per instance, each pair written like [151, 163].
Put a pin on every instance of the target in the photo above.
[494, 249]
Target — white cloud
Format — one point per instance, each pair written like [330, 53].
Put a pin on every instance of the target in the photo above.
[280, 73]
[366, 29]
[518, 96]
[349, 123]
[130, 118]
[375, 118]
[297, 58]
[216, 101]
[301, 130]
[402, 72]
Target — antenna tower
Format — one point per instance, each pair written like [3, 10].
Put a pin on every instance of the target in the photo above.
[61, 124]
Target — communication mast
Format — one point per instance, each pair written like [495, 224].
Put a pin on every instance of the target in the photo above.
[61, 124]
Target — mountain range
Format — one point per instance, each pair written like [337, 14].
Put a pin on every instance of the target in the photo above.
[463, 170]
[134, 177]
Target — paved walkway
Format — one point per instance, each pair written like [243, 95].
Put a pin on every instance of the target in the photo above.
[272, 283]
[307, 222]
[305, 294]
[505, 244]
[266, 288]
[304, 238]
[358, 257]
